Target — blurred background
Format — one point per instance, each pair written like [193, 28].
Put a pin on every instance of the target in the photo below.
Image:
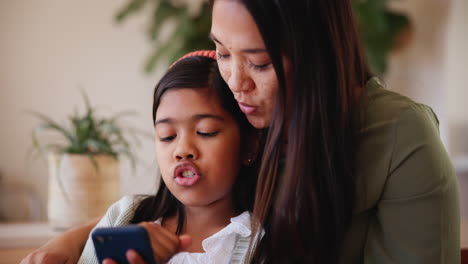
[51, 49]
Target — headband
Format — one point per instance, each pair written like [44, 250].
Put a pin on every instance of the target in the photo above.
[203, 53]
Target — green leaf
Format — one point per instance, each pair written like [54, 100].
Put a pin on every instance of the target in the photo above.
[49, 124]
[132, 7]
[161, 14]
[89, 134]
[378, 28]
[163, 51]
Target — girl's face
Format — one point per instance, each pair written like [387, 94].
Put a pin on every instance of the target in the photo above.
[244, 61]
[197, 147]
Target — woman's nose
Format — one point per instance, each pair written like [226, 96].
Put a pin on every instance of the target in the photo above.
[185, 150]
[239, 81]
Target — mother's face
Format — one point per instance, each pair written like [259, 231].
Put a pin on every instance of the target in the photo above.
[244, 61]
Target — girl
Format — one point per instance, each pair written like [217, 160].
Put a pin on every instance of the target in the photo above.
[205, 160]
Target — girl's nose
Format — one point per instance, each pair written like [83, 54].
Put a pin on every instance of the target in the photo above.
[185, 150]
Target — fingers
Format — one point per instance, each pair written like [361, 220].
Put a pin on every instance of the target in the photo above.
[185, 242]
[164, 243]
[43, 258]
[134, 258]
[26, 260]
[109, 261]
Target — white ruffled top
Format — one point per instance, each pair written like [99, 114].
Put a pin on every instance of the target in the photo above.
[229, 245]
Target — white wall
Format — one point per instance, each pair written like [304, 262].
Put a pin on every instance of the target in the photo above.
[419, 69]
[457, 80]
[48, 50]
[457, 59]
[432, 70]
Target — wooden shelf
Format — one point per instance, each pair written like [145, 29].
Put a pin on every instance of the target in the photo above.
[19, 239]
[25, 235]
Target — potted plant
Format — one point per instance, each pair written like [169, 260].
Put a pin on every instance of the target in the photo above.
[84, 165]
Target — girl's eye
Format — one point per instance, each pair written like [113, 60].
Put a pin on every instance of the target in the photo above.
[167, 139]
[222, 56]
[212, 134]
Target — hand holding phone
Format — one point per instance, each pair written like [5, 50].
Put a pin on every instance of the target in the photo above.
[114, 242]
[150, 240]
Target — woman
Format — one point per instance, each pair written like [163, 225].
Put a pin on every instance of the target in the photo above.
[351, 173]
[365, 176]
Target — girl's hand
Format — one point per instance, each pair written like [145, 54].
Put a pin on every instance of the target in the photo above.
[132, 256]
[42, 256]
[164, 244]
[65, 248]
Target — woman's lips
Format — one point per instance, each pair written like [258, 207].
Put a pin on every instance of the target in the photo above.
[247, 109]
[186, 175]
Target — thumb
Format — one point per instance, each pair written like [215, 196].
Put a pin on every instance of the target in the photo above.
[185, 242]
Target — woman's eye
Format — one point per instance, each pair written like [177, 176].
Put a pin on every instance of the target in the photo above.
[211, 134]
[167, 139]
[221, 56]
[260, 67]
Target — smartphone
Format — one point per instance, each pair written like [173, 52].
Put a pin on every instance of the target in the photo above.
[113, 242]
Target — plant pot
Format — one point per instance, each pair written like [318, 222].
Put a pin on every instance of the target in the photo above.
[79, 190]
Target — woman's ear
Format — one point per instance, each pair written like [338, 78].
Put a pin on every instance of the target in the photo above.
[250, 151]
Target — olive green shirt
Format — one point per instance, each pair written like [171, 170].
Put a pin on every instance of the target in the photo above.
[408, 198]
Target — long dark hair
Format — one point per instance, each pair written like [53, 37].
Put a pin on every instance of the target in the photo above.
[199, 72]
[306, 205]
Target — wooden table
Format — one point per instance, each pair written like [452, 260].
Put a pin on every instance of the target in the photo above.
[14, 255]
[19, 239]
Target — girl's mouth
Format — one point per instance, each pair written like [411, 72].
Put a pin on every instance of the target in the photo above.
[186, 175]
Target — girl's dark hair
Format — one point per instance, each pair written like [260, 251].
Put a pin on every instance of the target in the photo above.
[305, 206]
[199, 72]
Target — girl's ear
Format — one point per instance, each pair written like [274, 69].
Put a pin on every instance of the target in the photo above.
[250, 151]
